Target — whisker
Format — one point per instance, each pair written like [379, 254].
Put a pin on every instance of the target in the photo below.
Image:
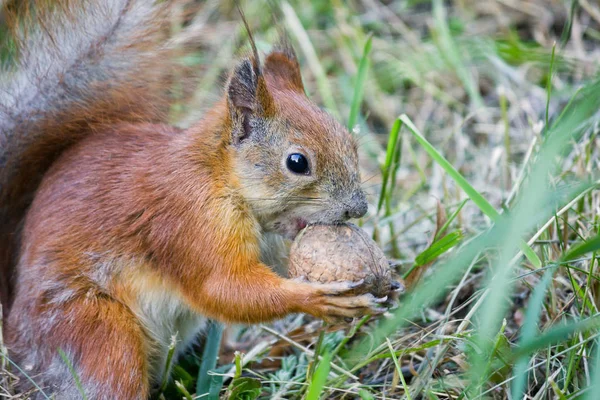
[373, 186]
[367, 139]
[287, 201]
[369, 178]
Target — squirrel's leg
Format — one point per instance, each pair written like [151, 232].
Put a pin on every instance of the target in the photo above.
[105, 346]
[256, 294]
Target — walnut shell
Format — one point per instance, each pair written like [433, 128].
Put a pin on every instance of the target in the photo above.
[336, 253]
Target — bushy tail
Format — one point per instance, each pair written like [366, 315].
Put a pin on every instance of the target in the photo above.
[72, 65]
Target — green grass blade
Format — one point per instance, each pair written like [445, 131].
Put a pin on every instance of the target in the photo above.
[473, 194]
[451, 218]
[318, 348]
[181, 388]
[168, 363]
[592, 391]
[549, 85]
[364, 395]
[557, 334]
[245, 388]
[438, 248]
[398, 369]
[359, 86]
[566, 33]
[319, 378]
[355, 328]
[73, 373]
[579, 250]
[389, 157]
[209, 360]
[578, 114]
[529, 330]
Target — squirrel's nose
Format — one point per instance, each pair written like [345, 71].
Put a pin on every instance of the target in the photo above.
[357, 206]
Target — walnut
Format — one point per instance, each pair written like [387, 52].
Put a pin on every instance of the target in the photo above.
[336, 253]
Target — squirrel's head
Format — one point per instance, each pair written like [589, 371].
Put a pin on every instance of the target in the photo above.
[296, 165]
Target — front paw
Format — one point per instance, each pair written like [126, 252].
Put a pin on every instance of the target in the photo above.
[335, 301]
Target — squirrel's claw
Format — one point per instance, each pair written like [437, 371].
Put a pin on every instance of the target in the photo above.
[339, 300]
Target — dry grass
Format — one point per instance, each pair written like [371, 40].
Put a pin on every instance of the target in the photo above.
[472, 76]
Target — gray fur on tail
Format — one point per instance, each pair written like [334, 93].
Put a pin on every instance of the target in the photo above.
[77, 65]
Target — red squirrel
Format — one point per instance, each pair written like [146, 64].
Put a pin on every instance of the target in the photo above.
[118, 230]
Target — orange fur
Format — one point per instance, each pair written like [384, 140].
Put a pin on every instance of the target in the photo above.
[135, 90]
[139, 229]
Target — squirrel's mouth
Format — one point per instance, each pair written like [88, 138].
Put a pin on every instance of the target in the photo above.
[301, 224]
[290, 228]
[297, 225]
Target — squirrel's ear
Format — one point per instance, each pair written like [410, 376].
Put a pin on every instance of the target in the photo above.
[242, 87]
[247, 95]
[282, 66]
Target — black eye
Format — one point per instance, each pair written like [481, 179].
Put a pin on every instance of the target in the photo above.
[297, 163]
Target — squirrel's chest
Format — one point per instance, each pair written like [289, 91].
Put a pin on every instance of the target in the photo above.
[166, 319]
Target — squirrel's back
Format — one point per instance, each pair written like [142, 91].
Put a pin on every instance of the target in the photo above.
[72, 66]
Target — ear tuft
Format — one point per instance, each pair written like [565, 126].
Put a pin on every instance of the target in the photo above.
[255, 58]
[242, 86]
[284, 46]
[247, 97]
[282, 67]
